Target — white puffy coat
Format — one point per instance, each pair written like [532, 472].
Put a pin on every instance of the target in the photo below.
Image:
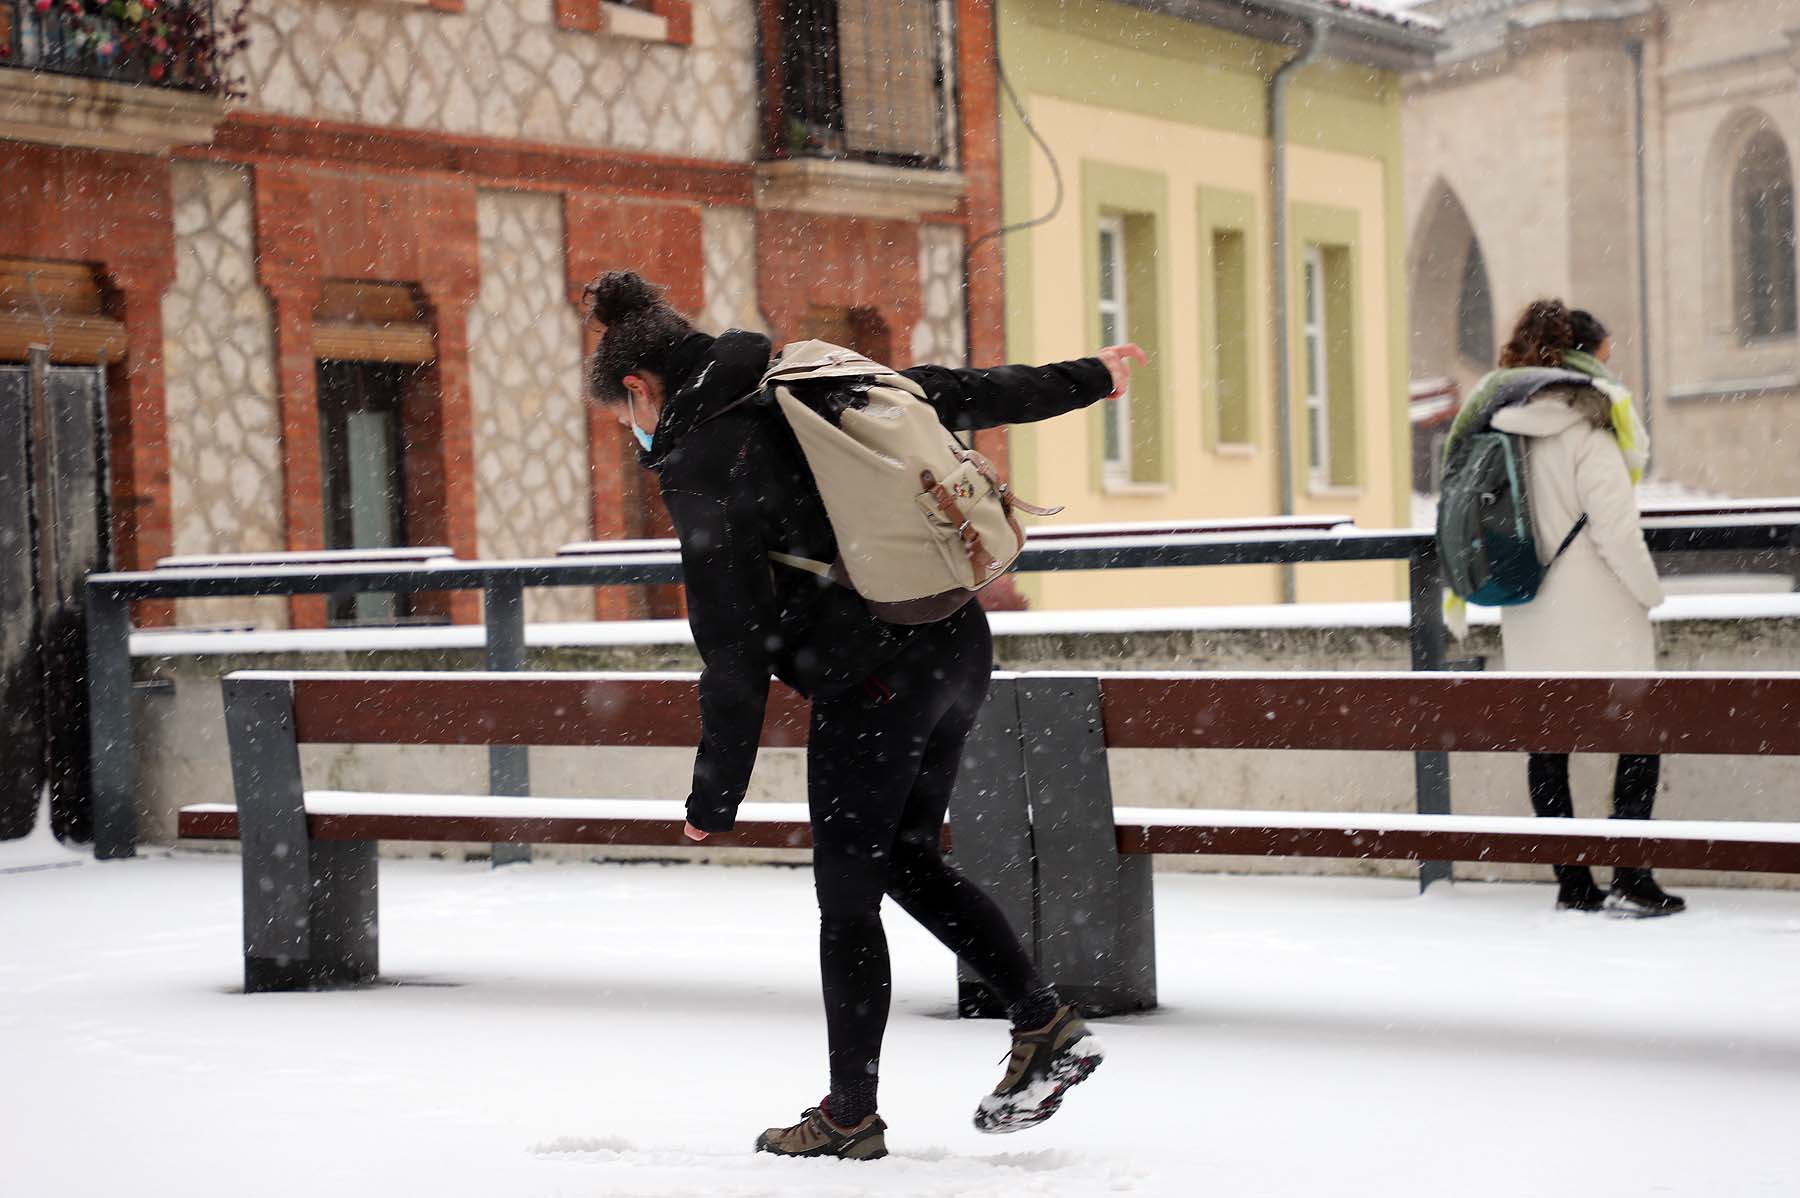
[1593, 610]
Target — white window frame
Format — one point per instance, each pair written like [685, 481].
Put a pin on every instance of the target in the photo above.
[1111, 229]
[1314, 335]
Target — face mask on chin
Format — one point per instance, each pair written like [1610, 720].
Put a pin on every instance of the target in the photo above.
[643, 438]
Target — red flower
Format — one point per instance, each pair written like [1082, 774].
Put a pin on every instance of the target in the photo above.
[156, 70]
[41, 5]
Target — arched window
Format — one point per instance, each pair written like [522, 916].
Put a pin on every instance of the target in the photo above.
[1475, 310]
[1762, 205]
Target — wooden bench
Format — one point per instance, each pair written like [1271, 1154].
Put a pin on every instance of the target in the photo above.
[1094, 902]
[1033, 817]
[309, 856]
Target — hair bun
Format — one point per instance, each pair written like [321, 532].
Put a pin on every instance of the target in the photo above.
[618, 294]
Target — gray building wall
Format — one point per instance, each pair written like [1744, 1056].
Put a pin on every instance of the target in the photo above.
[1525, 136]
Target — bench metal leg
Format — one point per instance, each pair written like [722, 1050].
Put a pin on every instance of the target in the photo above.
[1095, 913]
[509, 766]
[112, 764]
[1426, 633]
[309, 908]
[990, 833]
[343, 948]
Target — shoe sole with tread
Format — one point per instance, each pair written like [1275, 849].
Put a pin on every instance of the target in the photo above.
[1074, 1065]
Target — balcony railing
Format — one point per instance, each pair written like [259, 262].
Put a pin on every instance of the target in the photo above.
[174, 43]
[867, 80]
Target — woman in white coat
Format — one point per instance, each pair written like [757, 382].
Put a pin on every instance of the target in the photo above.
[1593, 609]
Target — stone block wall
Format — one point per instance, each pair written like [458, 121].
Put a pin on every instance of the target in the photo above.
[531, 423]
[224, 417]
[942, 335]
[506, 69]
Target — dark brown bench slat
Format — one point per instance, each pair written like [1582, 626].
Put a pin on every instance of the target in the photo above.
[639, 832]
[509, 830]
[1528, 846]
[1445, 712]
[451, 709]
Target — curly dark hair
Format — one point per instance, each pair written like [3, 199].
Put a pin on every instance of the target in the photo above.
[1546, 330]
[1543, 334]
[1589, 333]
[641, 334]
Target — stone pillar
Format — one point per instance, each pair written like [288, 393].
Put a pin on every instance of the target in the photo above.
[297, 384]
[138, 446]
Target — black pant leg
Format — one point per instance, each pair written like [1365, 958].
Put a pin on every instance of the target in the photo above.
[959, 913]
[1547, 776]
[1634, 785]
[860, 763]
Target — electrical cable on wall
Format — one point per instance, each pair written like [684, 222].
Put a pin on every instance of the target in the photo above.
[1055, 205]
[1049, 154]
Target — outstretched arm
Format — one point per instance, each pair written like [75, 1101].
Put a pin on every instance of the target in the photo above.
[972, 399]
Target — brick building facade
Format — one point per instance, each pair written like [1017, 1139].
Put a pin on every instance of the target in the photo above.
[363, 278]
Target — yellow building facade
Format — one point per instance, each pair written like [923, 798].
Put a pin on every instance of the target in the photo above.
[1155, 140]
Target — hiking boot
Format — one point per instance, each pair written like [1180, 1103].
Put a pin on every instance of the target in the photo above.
[1044, 1063]
[1635, 893]
[1576, 891]
[817, 1135]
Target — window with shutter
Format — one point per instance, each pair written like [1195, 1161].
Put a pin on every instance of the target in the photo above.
[1762, 197]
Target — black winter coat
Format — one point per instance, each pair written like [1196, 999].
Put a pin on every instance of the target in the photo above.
[737, 488]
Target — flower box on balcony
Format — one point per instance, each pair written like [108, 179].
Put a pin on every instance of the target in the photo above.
[133, 75]
[845, 187]
[99, 114]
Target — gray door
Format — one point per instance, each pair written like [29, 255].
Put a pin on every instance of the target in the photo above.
[52, 535]
[361, 445]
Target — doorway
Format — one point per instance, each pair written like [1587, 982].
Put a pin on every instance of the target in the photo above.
[53, 533]
[362, 459]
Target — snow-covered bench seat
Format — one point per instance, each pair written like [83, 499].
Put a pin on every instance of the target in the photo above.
[500, 819]
[1671, 844]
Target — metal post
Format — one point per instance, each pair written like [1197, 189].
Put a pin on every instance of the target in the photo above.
[113, 772]
[1279, 256]
[509, 766]
[1426, 627]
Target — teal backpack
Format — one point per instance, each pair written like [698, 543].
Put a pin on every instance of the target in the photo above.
[1484, 530]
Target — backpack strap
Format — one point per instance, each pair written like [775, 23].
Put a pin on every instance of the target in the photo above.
[980, 560]
[750, 396]
[1568, 540]
[832, 571]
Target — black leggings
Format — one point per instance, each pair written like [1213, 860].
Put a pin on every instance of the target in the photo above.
[881, 763]
[1634, 785]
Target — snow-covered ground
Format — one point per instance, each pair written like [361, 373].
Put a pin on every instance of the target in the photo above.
[626, 1030]
[40, 849]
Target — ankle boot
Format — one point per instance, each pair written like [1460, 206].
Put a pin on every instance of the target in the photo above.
[1635, 892]
[1576, 890]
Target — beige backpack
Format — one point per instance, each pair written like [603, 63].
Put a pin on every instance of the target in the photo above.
[922, 523]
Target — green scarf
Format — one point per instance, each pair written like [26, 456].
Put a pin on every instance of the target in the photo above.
[1628, 426]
